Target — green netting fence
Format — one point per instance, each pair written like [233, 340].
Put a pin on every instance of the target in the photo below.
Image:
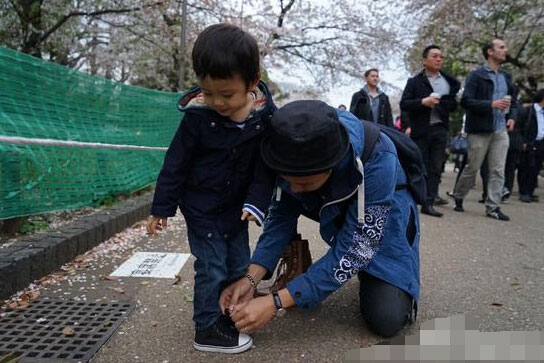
[41, 100]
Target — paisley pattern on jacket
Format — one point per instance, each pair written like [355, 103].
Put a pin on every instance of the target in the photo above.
[366, 242]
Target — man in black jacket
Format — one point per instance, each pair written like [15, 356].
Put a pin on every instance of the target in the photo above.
[429, 98]
[489, 99]
[533, 146]
[371, 103]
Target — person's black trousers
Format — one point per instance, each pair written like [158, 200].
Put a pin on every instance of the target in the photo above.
[512, 164]
[433, 147]
[531, 163]
[385, 308]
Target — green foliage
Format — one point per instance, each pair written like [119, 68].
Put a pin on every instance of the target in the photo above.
[34, 224]
[35, 8]
[456, 121]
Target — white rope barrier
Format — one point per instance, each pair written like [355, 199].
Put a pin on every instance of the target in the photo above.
[78, 144]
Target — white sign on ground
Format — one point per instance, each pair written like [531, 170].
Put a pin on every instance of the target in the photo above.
[152, 264]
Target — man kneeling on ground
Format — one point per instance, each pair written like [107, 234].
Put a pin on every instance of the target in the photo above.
[371, 225]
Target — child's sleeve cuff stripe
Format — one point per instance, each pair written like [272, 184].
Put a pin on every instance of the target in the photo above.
[255, 212]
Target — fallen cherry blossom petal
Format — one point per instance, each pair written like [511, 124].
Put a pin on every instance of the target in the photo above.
[117, 289]
[68, 331]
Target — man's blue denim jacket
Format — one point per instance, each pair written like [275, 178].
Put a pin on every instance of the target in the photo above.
[383, 241]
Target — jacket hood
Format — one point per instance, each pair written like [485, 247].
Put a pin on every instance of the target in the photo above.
[192, 99]
[355, 130]
[348, 176]
[367, 90]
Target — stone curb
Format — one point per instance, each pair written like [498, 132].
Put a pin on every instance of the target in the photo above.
[38, 255]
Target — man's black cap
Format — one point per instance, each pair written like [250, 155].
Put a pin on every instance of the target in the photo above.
[305, 138]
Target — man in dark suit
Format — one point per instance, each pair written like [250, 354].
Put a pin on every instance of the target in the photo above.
[533, 146]
[371, 103]
[429, 98]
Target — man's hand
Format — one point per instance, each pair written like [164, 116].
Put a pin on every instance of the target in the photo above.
[430, 101]
[408, 131]
[510, 125]
[238, 292]
[500, 104]
[155, 224]
[254, 314]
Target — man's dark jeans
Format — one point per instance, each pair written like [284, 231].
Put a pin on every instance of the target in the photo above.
[220, 259]
[531, 164]
[433, 147]
[385, 308]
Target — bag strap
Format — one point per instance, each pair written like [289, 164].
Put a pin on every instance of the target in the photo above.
[372, 134]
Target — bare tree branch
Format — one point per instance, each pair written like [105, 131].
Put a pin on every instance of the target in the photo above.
[139, 35]
[305, 44]
[66, 17]
[284, 11]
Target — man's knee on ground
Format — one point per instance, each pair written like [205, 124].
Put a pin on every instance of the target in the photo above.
[384, 322]
[385, 308]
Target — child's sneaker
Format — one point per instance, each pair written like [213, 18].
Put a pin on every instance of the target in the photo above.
[227, 321]
[221, 337]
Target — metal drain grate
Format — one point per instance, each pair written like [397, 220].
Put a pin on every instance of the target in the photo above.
[36, 333]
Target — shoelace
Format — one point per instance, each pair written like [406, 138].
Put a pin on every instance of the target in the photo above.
[222, 333]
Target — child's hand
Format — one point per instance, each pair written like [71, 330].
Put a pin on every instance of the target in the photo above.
[248, 216]
[155, 224]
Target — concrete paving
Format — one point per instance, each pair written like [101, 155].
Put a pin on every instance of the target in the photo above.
[470, 264]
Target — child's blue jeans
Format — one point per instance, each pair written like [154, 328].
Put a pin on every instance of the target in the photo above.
[220, 260]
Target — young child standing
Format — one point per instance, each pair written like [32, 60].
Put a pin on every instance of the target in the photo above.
[213, 172]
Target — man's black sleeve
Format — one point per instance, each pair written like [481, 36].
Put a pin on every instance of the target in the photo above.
[409, 102]
[450, 101]
[469, 100]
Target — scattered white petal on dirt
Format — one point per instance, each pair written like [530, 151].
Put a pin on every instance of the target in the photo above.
[68, 331]
[118, 290]
[114, 249]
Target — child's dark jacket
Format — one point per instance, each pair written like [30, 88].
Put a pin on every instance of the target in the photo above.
[213, 168]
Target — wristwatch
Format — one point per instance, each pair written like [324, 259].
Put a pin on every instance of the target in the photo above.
[280, 311]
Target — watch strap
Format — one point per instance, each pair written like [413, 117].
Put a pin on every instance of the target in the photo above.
[277, 300]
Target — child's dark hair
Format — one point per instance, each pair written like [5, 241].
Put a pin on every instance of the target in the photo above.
[224, 50]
